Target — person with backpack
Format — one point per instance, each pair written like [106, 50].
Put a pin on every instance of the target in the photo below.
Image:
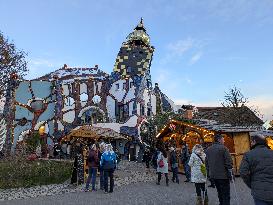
[108, 163]
[93, 163]
[162, 166]
[185, 156]
[198, 174]
[174, 165]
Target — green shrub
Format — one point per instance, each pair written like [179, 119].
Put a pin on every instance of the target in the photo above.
[22, 173]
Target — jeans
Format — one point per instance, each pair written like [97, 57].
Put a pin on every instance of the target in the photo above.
[108, 173]
[223, 189]
[200, 187]
[101, 179]
[91, 174]
[175, 174]
[260, 202]
[187, 170]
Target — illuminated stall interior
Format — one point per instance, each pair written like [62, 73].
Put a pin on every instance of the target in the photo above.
[237, 141]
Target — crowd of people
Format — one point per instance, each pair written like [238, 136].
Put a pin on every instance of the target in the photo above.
[214, 164]
[202, 164]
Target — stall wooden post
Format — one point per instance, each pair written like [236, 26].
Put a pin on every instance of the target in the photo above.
[241, 146]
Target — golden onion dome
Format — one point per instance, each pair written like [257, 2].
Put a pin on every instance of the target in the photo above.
[139, 34]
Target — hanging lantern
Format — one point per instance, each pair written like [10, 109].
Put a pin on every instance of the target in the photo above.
[42, 130]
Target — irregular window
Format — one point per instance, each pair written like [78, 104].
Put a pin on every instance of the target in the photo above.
[84, 97]
[69, 101]
[96, 99]
[117, 86]
[124, 86]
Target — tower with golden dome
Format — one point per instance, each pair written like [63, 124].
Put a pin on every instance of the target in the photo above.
[135, 55]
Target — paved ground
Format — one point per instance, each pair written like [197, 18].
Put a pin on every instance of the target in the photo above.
[133, 194]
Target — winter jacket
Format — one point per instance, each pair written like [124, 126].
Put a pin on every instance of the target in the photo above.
[93, 159]
[147, 156]
[163, 169]
[218, 161]
[173, 159]
[256, 169]
[108, 160]
[185, 155]
[195, 163]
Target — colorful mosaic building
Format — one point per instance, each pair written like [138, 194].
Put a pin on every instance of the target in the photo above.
[70, 97]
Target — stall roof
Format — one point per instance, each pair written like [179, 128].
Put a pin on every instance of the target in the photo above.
[236, 117]
[88, 131]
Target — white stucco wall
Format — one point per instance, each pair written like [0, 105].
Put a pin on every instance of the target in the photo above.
[99, 87]
[65, 108]
[153, 104]
[131, 106]
[132, 122]
[118, 94]
[69, 116]
[110, 105]
[65, 89]
[138, 108]
[83, 88]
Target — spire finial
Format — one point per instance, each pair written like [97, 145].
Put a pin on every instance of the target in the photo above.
[141, 20]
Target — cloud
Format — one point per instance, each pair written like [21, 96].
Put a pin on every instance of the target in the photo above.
[181, 46]
[184, 48]
[41, 66]
[196, 57]
[264, 104]
[182, 102]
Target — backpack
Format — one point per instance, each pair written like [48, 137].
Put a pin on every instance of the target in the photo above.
[109, 161]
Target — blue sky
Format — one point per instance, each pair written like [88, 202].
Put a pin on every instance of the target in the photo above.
[202, 48]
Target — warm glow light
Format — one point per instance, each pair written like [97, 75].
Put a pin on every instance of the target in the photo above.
[42, 130]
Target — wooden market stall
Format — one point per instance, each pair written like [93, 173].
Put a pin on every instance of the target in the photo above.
[84, 136]
[237, 139]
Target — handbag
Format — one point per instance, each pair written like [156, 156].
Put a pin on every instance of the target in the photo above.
[202, 166]
[161, 163]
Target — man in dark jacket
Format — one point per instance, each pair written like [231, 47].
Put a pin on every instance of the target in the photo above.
[257, 171]
[174, 165]
[185, 157]
[147, 157]
[219, 164]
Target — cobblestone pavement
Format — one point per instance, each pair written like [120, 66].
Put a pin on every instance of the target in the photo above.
[132, 187]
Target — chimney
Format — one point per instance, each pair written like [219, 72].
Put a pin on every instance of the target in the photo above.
[188, 114]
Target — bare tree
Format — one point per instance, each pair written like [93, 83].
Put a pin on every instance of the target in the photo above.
[11, 61]
[234, 98]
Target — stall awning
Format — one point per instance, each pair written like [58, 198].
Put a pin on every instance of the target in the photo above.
[87, 131]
